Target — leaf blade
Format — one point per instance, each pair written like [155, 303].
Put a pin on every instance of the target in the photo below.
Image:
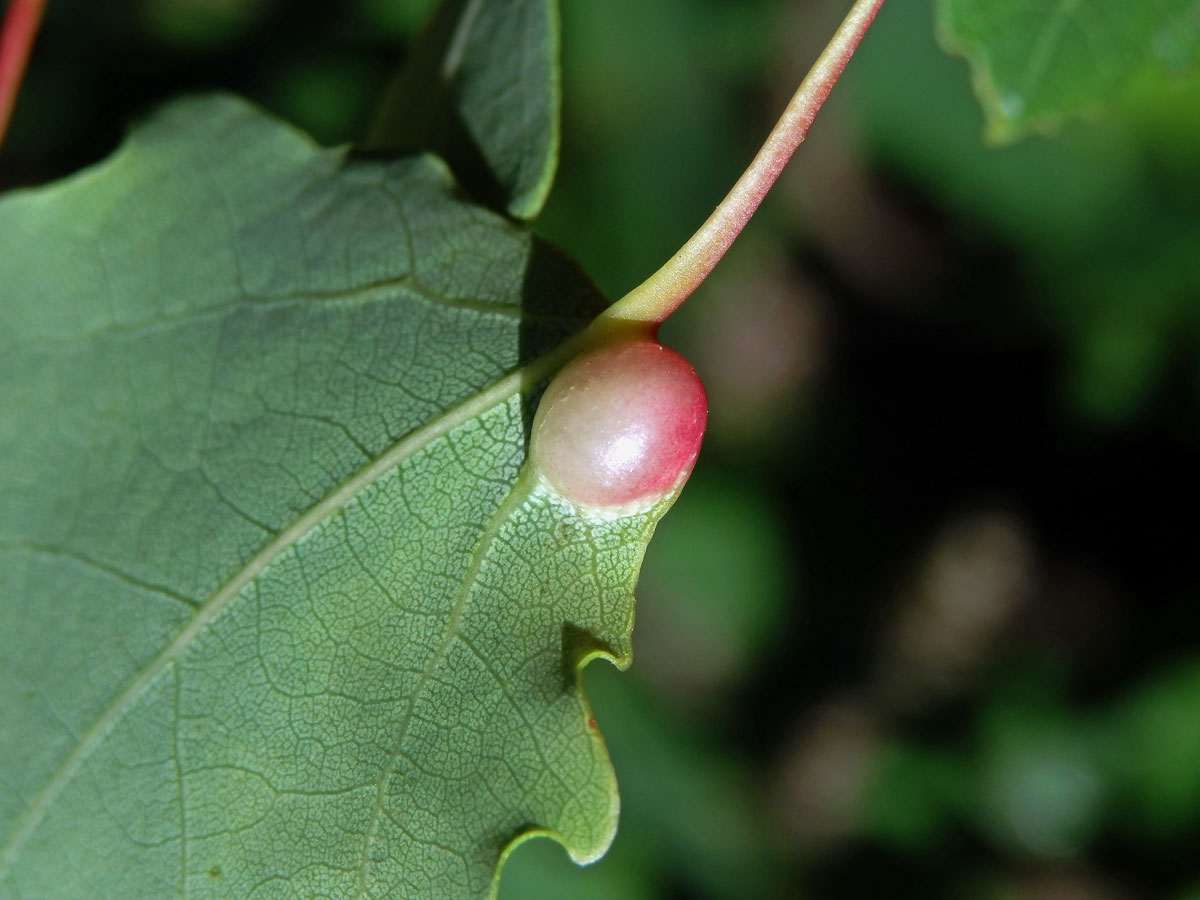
[482, 90]
[246, 503]
[1034, 65]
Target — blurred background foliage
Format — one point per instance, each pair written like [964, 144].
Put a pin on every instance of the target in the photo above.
[924, 623]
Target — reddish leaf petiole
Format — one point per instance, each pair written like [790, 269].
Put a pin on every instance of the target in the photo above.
[663, 292]
[20, 26]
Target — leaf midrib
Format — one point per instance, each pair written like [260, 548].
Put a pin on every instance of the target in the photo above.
[515, 382]
[410, 284]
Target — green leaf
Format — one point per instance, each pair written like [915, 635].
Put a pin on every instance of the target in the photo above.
[281, 611]
[1154, 739]
[1035, 62]
[481, 89]
[912, 793]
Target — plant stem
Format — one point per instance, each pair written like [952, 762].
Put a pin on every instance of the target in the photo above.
[21, 23]
[663, 292]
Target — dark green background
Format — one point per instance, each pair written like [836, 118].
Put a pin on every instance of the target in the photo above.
[923, 624]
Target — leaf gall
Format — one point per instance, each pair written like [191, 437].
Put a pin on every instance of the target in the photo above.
[619, 428]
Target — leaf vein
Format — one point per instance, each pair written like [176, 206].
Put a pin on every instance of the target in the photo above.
[515, 382]
[511, 501]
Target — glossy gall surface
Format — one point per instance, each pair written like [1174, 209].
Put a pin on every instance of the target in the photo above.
[621, 426]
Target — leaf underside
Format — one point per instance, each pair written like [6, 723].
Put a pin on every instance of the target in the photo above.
[481, 89]
[281, 615]
[1035, 62]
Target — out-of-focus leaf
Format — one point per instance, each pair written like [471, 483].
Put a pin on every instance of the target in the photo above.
[1041, 788]
[281, 610]
[1035, 62]
[1154, 736]
[913, 796]
[325, 96]
[481, 89]
[398, 19]
[1130, 313]
[200, 24]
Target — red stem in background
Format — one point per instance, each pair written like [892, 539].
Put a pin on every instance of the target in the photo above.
[20, 26]
[663, 292]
